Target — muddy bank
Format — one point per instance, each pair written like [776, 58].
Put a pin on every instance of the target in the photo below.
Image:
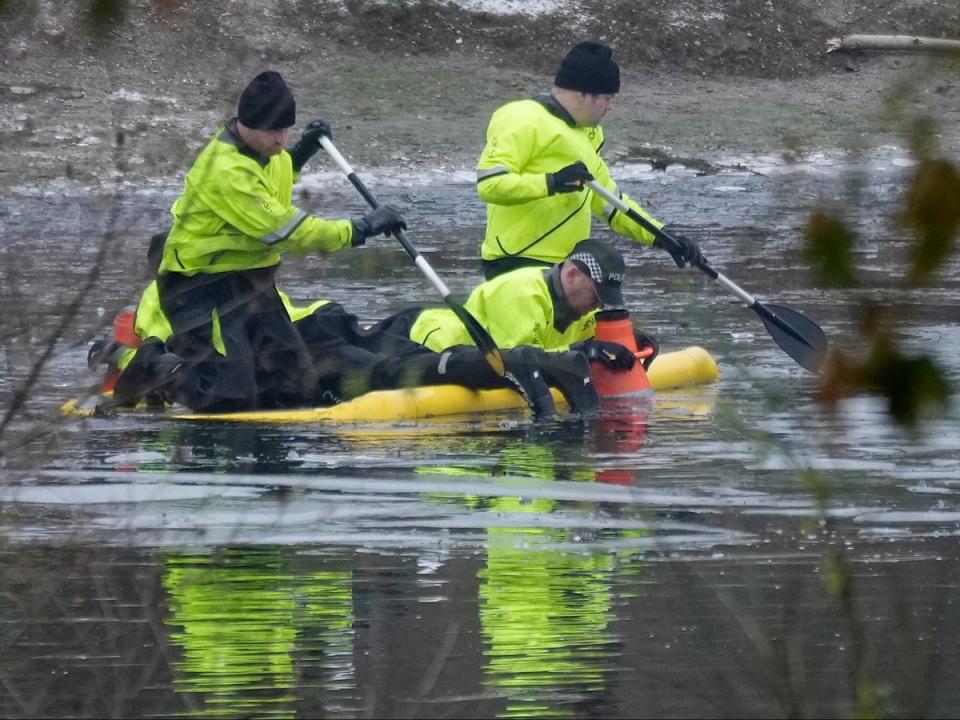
[131, 95]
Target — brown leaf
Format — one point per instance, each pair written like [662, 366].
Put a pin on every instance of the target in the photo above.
[839, 379]
[932, 212]
[914, 386]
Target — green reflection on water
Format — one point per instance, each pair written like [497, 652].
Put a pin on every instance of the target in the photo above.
[249, 628]
[257, 635]
[545, 616]
[545, 612]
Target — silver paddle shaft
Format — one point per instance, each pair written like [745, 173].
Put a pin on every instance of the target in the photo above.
[620, 205]
[327, 144]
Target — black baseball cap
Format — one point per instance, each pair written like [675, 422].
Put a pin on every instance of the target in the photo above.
[605, 265]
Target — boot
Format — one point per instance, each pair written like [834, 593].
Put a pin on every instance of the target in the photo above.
[465, 365]
[151, 371]
[569, 372]
[523, 371]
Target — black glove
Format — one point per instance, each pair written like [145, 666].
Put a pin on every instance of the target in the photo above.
[684, 250]
[646, 341]
[524, 373]
[104, 352]
[309, 142]
[568, 179]
[613, 355]
[386, 219]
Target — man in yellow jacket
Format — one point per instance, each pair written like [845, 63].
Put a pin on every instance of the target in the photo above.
[552, 309]
[538, 155]
[216, 284]
[348, 359]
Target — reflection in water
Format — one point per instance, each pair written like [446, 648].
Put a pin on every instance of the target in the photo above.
[252, 630]
[545, 617]
[151, 443]
[243, 621]
[544, 610]
[621, 430]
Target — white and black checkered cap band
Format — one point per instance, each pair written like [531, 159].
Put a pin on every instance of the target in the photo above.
[596, 272]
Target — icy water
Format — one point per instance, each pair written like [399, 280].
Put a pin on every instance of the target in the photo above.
[668, 559]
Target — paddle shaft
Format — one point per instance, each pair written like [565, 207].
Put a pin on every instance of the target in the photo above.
[418, 259]
[664, 238]
[477, 332]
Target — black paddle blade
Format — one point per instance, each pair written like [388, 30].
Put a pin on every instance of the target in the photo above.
[481, 337]
[799, 336]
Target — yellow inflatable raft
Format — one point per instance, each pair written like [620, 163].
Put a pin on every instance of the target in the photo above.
[682, 368]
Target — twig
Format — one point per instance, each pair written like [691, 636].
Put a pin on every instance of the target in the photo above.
[893, 42]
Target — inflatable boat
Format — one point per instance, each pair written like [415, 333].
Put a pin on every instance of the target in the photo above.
[683, 368]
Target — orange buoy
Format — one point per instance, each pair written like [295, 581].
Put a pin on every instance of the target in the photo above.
[125, 329]
[616, 326]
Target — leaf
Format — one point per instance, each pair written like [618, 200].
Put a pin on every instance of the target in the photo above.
[913, 386]
[840, 378]
[817, 484]
[923, 137]
[869, 700]
[829, 250]
[932, 212]
[836, 573]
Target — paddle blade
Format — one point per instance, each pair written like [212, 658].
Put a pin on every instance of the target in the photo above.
[799, 336]
[481, 337]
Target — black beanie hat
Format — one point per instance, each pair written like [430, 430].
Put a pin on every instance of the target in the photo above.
[267, 103]
[589, 68]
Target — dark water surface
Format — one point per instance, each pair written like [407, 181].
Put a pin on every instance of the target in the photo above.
[669, 559]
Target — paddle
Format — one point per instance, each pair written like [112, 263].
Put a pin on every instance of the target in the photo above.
[479, 334]
[798, 336]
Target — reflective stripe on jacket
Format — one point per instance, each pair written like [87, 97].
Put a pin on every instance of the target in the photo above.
[236, 213]
[516, 308]
[526, 139]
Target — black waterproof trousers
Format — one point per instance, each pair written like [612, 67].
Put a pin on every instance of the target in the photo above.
[350, 360]
[266, 365]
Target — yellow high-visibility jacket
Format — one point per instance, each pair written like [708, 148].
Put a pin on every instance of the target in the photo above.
[236, 213]
[516, 308]
[526, 140]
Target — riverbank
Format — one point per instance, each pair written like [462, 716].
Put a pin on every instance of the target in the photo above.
[408, 84]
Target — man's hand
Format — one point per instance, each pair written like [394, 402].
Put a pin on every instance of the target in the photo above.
[309, 142]
[386, 219]
[613, 355]
[314, 130]
[684, 251]
[568, 179]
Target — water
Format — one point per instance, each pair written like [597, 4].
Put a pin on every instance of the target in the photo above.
[672, 559]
